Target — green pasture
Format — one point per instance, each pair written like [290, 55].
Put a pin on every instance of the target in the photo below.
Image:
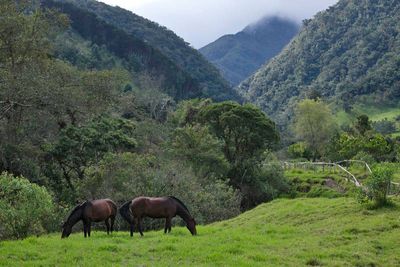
[299, 232]
[375, 113]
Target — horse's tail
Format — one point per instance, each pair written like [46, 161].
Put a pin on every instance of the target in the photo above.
[125, 212]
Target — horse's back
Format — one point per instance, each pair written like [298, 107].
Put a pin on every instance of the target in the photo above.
[155, 207]
[101, 209]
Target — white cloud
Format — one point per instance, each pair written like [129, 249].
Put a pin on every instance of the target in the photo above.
[201, 22]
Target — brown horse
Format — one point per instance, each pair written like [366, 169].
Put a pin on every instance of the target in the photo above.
[91, 211]
[158, 207]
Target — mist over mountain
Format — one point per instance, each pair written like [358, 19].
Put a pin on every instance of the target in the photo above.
[239, 55]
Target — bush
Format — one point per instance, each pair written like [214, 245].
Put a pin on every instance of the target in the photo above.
[26, 208]
[299, 150]
[377, 186]
[364, 156]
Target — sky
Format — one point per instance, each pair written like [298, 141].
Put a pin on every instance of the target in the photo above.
[202, 22]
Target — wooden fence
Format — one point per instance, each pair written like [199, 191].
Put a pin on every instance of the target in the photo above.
[339, 167]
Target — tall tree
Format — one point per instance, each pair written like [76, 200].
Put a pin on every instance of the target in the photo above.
[314, 124]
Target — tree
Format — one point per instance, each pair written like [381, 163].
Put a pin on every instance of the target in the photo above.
[315, 125]
[378, 185]
[363, 124]
[245, 130]
[246, 133]
[80, 147]
[26, 208]
[203, 151]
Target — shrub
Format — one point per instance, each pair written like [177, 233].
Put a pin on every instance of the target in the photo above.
[377, 186]
[299, 150]
[364, 156]
[26, 208]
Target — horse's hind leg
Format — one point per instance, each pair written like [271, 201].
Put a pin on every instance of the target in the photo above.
[107, 225]
[89, 228]
[166, 225]
[84, 229]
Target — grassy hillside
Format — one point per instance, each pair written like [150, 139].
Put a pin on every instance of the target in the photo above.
[239, 55]
[300, 232]
[374, 112]
[348, 51]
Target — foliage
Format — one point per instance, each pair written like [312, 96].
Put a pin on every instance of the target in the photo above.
[228, 140]
[79, 147]
[363, 124]
[240, 55]
[384, 126]
[195, 145]
[315, 125]
[124, 176]
[39, 94]
[26, 208]
[245, 130]
[299, 150]
[377, 186]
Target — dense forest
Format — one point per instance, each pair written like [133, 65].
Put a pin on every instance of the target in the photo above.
[240, 55]
[346, 54]
[205, 78]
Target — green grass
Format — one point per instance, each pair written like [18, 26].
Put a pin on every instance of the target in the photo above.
[300, 232]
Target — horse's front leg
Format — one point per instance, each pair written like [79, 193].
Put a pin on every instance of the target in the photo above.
[84, 229]
[89, 228]
[107, 225]
[168, 224]
[139, 220]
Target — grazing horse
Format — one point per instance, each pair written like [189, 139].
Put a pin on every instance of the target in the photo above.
[157, 207]
[91, 211]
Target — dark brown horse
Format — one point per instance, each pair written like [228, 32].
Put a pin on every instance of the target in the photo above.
[159, 207]
[91, 211]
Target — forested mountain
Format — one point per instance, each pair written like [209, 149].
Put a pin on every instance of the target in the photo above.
[240, 55]
[350, 51]
[144, 42]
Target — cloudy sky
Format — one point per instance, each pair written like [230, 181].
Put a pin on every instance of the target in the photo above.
[201, 22]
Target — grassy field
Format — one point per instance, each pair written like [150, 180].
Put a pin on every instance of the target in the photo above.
[300, 232]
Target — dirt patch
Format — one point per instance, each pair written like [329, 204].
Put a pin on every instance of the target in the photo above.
[334, 185]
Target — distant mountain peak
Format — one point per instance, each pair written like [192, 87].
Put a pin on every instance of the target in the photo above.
[239, 55]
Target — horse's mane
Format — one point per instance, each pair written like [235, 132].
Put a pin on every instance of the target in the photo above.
[124, 211]
[180, 202]
[82, 205]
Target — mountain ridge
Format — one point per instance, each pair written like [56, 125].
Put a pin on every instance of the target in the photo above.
[186, 58]
[347, 53]
[239, 55]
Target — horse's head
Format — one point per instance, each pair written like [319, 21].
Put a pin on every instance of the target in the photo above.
[66, 230]
[191, 225]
